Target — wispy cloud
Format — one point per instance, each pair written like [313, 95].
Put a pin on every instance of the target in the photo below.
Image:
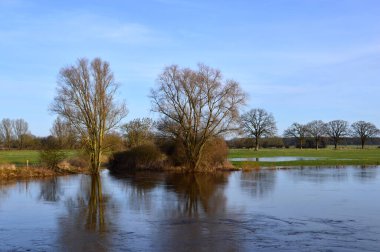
[80, 27]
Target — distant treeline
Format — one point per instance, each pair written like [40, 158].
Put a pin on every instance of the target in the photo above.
[287, 142]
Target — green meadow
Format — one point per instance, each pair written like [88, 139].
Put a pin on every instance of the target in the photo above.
[327, 156]
[20, 157]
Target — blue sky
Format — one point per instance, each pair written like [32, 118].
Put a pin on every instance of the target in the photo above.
[299, 59]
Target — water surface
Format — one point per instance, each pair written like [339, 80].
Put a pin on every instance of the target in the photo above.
[274, 159]
[305, 209]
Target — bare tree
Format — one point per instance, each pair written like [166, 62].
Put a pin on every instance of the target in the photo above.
[298, 131]
[364, 130]
[64, 132]
[138, 131]
[20, 129]
[6, 132]
[258, 123]
[316, 129]
[336, 130]
[196, 106]
[86, 99]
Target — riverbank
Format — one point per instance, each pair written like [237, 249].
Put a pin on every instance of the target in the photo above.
[12, 172]
[305, 157]
[13, 164]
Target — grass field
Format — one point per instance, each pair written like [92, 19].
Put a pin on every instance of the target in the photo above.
[19, 157]
[328, 156]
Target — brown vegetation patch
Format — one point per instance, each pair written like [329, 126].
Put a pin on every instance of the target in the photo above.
[10, 171]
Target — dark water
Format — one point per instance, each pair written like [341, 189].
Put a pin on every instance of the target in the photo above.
[309, 209]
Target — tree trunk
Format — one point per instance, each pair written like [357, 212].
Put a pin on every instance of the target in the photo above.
[316, 144]
[363, 141]
[301, 143]
[256, 144]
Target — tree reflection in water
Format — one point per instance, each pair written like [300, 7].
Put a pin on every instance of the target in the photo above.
[320, 174]
[196, 219]
[50, 190]
[258, 183]
[364, 173]
[4, 190]
[138, 187]
[85, 227]
[198, 192]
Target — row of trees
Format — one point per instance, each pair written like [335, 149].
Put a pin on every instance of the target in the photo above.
[335, 130]
[258, 123]
[13, 131]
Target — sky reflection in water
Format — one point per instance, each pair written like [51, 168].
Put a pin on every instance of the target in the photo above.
[298, 209]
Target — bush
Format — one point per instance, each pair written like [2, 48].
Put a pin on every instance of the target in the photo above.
[214, 153]
[52, 157]
[79, 162]
[51, 154]
[272, 142]
[146, 156]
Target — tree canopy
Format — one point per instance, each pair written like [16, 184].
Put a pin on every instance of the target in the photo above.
[196, 106]
[258, 123]
[86, 99]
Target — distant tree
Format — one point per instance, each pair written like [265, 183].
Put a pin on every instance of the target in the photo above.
[364, 130]
[64, 132]
[30, 141]
[272, 142]
[6, 132]
[196, 106]
[258, 123]
[316, 129]
[336, 130]
[298, 131]
[86, 99]
[20, 129]
[138, 131]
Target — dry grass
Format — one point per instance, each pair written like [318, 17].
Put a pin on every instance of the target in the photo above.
[11, 172]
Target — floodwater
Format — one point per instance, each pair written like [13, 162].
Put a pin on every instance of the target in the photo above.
[274, 159]
[303, 209]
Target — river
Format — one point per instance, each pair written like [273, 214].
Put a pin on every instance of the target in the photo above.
[300, 209]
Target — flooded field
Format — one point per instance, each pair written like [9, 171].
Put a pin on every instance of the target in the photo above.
[273, 159]
[303, 209]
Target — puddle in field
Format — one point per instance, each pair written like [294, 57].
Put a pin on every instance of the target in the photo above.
[274, 159]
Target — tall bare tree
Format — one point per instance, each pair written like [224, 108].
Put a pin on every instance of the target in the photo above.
[364, 130]
[138, 131]
[20, 129]
[196, 106]
[86, 99]
[298, 131]
[258, 123]
[6, 132]
[316, 129]
[336, 130]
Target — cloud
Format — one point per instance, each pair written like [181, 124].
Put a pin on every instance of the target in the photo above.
[80, 27]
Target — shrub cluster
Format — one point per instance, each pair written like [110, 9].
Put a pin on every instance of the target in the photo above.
[166, 153]
[146, 156]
